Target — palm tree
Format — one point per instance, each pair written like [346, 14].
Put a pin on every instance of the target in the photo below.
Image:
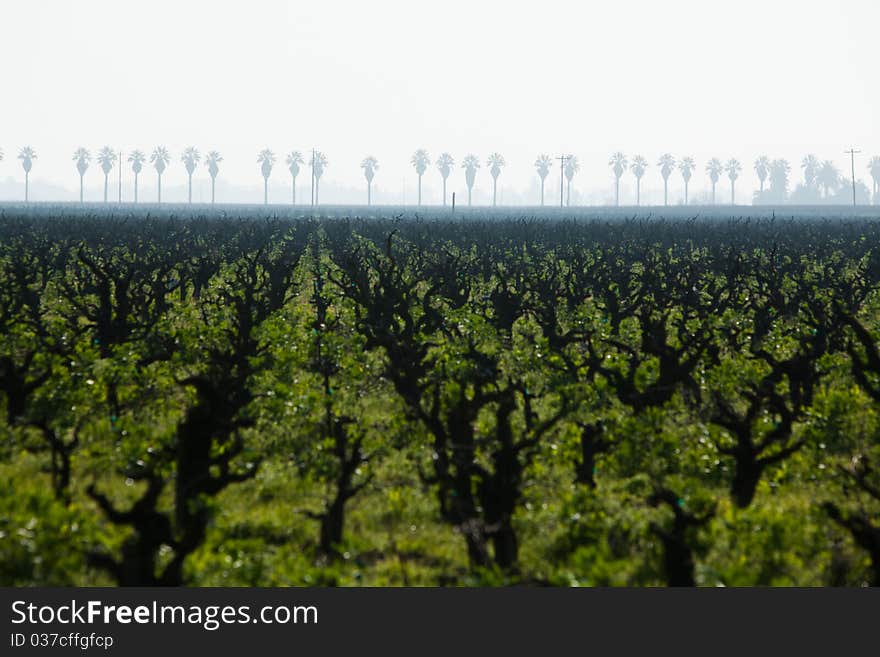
[420, 161]
[160, 159]
[27, 155]
[190, 159]
[618, 164]
[470, 164]
[638, 167]
[733, 169]
[445, 164]
[82, 157]
[369, 165]
[266, 159]
[572, 166]
[828, 178]
[874, 168]
[294, 160]
[762, 168]
[107, 159]
[318, 164]
[667, 166]
[810, 164]
[212, 161]
[543, 165]
[779, 172]
[495, 163]
[137, 159]
[714, 168]
[687, 166]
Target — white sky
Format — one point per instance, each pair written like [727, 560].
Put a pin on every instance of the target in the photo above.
[384, 77]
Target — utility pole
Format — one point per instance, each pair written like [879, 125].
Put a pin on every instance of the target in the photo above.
[562, 160]
[852, 156]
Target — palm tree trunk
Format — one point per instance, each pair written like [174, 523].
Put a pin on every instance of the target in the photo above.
[638, 191]
[420, 189]
[617, 192]
[213, 185]
[469, 195]
[369, 193]
[732, 193]
[317, 184]
[160, 188]
[106, 177]
[26, 185]
[80, 188]
[666, 191]
[713, 193]
[265, 191]
[135, 188]
[568, 193]
[444, 191]
[189, 192]
[685, 192]
[494, 191]
[542, 192]
[293, 190]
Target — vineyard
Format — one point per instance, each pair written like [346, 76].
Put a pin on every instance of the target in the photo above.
[202, 399]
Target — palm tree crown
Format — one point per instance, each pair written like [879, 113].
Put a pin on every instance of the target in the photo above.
[190, 159]
[266, 160]
[666, 164]
[687, 166]
[27, 155]
[82, 157]
[420, 161]
[107, 159]
[714, 168]
[495, 163]
[137, 159]
[212, 162]
[294, 160]
[318, 163]
[572, 166]
[370, 165]
[639, 166]
[733, 168]
[618, 163]
[160, 158]
[543, 165]
[444, 164]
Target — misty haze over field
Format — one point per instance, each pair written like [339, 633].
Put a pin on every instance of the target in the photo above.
[358, 81]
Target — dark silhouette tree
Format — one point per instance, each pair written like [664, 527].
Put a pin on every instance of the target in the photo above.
[543, 165]
[190, 159]
[212, 162]
[762, 169]
[294, 162]
[420, 162]
[618, 164]
[714, 169]
[572, 166]
[638, 167]
[160, 159]
[266, 160]
[137, 159]
[687, 167]
[318, 164]
[733, 168]
[496, 164]
[444, 164]
[369, 164]
[27, 155]
[82, 157]
[828, 178]
[667, 166]
[107, 159]
[470, 164]
[874, 169]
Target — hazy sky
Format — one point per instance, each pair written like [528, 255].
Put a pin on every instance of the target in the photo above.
[384, 77]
